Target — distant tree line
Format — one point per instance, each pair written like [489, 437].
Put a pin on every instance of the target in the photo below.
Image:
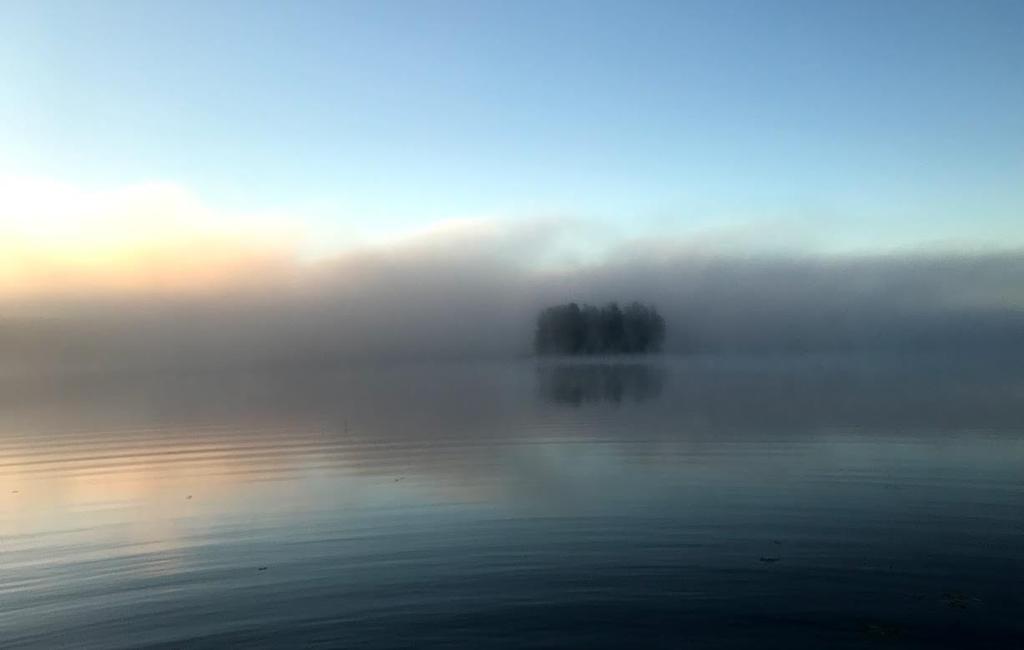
[571, 329]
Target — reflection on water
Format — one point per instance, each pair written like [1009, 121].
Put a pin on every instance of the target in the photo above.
[580, 383]
[805, 502]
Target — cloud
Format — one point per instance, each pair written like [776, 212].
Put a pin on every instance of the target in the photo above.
[150, 276]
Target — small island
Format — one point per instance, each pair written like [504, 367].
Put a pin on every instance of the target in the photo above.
[570, 329]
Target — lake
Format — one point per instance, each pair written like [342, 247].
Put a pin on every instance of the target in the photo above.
[707, 502]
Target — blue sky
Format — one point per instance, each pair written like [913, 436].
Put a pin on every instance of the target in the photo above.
[869, 123]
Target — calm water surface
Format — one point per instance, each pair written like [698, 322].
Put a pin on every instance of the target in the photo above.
[699, 503]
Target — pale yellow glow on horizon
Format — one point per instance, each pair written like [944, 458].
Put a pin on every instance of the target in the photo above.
[58, 237]
[61, 239]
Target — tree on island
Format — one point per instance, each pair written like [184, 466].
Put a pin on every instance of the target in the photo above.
[573, 330]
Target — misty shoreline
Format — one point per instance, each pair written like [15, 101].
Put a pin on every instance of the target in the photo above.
[421, 304]
[875, 360]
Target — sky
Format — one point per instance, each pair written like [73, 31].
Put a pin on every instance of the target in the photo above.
[742, 158]
[860, 125]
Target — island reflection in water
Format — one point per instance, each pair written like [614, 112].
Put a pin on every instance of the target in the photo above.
[583, 382]
[780, 502]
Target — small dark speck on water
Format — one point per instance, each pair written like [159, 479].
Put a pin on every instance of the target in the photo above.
[262, 568]
[770, 559]
[14, 491]
[958, 599]
[188, 497]
[400, 478]
[882, 630]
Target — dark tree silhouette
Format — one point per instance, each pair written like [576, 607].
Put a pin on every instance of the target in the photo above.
[571, 329]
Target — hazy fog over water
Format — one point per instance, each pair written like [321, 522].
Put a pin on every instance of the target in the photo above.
[467, 293]
[719, 500]
[305, 313]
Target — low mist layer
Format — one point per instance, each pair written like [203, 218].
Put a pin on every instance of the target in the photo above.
[474, 290]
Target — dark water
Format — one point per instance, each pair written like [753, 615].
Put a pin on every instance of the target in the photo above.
[702, 503]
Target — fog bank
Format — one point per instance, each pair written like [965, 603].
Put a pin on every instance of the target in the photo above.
[476, 292]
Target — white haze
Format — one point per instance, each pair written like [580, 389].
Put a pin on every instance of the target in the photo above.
[474, 290]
